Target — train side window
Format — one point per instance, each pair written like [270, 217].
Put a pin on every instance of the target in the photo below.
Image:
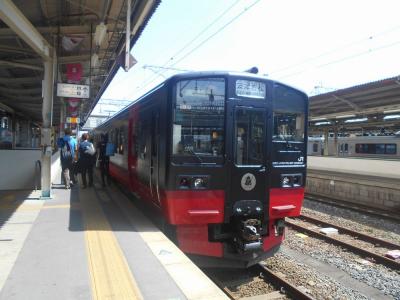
[315, 147]
[379, 149]
[121, 140]
[142, 139]
[390, 148]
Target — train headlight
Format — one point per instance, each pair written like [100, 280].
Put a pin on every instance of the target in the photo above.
[184, 183]
[297, 180]
[291, 180]
[286, 181]
[199, 183]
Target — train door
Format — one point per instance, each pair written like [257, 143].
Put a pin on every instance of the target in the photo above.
[248, 188]
[154, 159]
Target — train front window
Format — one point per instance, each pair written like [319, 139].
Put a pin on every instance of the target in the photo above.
[249, 136]
[289, 116]
[198, 122]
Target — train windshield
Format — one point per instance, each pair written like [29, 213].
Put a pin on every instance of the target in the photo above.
[289, 116]
[198, 121]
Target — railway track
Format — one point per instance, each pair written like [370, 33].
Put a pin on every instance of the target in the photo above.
[283, 288]
[355, 207]
[313, 231]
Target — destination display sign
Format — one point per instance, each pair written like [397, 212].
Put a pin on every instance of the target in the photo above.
[250, 89]
[72, 90]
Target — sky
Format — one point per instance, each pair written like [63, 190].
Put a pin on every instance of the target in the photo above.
[314, 45]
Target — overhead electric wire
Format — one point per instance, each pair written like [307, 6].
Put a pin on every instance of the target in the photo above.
[336, 49]
[215, 33]
[156, 74]
[201, 32]
[344, 58]
[205, 40]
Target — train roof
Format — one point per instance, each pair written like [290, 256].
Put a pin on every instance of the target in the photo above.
[191, 74]
[245, 74]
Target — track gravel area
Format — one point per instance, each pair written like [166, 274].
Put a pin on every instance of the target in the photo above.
[375, 275]
[358, 221]
[311, 281]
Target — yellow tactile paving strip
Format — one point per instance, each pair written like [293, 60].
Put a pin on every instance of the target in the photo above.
[109, 272]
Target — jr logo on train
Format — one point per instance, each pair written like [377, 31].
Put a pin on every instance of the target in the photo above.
[221, 156]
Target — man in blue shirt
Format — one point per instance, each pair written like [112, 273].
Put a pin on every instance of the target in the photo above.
[67, 145]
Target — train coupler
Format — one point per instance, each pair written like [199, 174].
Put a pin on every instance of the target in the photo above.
[249, 237]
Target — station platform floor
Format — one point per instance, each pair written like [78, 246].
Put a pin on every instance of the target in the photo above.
[90, 244]
[388, 169]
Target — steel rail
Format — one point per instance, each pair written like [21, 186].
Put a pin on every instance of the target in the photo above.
[365, 253]
[224, 288]
[359, 235]
[280, 282]
[355, 207]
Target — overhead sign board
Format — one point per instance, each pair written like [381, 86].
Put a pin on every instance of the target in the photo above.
[72, 90]
[72, 120]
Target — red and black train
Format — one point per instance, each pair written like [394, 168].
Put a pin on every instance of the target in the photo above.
[221, 156]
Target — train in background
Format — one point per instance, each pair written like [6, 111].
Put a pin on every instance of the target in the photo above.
[221, 156]
[358, 146]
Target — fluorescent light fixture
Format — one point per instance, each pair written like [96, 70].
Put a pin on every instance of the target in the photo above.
[322, 123]
[100, 33]
[318, 119]
[391, 111]
[345, 116]
[356, 120]
[391, 117]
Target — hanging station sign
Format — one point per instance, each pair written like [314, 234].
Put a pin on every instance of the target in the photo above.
[72, 90]
[72, 120]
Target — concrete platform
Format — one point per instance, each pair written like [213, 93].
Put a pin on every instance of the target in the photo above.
[387, 169]
[368, 182]
[90, 244]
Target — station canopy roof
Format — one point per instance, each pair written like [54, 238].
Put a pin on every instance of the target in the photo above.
[70, 28]
[373, 101]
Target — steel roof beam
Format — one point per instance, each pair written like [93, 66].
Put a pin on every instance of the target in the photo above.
[369, 111]
[74, 29]
[20, 91]
[14, 64]
[21, 80]
[16, 20]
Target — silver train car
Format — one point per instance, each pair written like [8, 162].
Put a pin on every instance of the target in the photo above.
[358, 146]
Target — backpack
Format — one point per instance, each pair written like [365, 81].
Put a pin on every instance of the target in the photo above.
[110, 149]
[66, 153]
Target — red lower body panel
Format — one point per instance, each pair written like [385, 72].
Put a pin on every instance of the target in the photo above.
[194, 207]
[285, 202]
[193, 239]
[120, 174]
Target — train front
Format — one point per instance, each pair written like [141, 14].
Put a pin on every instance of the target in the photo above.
[238, 166]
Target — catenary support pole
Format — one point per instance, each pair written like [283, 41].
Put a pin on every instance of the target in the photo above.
[326, 137]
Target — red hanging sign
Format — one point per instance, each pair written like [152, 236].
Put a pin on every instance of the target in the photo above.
[74, 73]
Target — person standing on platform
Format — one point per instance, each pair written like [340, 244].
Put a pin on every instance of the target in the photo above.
[67, 145]
[104, 159]
[86, 154]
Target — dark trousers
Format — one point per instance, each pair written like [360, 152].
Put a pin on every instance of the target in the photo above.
[67, 172]
[104, 170]
[89, 171]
